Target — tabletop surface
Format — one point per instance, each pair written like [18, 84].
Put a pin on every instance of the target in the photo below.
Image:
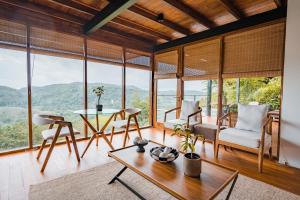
[170, 176]
[95, 112]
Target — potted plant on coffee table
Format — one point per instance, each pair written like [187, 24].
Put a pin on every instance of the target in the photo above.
[191, 160]
[99, 91]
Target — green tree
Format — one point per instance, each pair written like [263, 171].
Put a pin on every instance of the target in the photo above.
[142, 104]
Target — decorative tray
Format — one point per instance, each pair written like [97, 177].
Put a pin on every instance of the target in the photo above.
[164, 154]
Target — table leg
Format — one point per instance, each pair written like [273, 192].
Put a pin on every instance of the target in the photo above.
[97, 122]
[116, 178]
[88, 145]
[103, 134]
[231, 188]
[96, 133]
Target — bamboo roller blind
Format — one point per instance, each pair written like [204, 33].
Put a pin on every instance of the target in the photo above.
[12, 33]
[257, 52]
[51, 41]
[136, 58]
[104, 52]
[202, 60]
[166, 63]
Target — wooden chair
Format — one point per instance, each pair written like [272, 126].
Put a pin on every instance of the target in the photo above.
[190, 115]
[64, 129]
[125, 124]
[257, 142]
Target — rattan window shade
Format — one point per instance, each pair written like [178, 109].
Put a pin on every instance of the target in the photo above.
[13, 34]
[45, 41]
[104, 52]
[202, 60]
[166, 63]
[257, 52]
[137, 59]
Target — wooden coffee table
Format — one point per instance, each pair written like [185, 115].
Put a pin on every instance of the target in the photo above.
[170, 177]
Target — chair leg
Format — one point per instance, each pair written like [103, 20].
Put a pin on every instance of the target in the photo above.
[214, 146]
[74, 142]
[217, 146]
[68, 144]
[97, 140]
[41, 149]
[195, 140]
[260, 160]
[270, 153]
[112, 134]
[164, 136]
[126, 132]
[51, 148]
[138, 127]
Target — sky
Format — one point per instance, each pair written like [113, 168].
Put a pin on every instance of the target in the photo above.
[48, 70]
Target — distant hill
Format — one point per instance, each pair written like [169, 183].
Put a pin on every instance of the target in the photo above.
[65, 96]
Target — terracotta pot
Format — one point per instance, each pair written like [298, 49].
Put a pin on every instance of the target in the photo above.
[192, 164]
[99, 107]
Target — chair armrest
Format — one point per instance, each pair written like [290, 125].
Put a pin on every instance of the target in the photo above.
[220, 121]
[63, 123]
[263, 131]
[224, 116]
[54, 117]
[168, 111]
[266, 123]
[193, 114]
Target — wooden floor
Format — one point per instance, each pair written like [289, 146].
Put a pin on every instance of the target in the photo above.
[19, 171]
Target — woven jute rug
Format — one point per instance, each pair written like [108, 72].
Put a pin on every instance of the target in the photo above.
[92, 185]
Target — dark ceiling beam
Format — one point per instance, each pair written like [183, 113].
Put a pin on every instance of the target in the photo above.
[23, 12]
[91, 11]
[230, 7]
[280, 3]
[178, 4]
[109, 12]
[152, 16]
[220, 30]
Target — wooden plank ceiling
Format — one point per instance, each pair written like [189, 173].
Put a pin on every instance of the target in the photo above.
[140, 21]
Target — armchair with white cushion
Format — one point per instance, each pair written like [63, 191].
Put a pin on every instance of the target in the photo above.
[190, 115]
[246, 130]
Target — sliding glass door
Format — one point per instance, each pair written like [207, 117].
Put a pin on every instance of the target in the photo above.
[138, 93]
[57, 88]
[13, 100]
[166, 98]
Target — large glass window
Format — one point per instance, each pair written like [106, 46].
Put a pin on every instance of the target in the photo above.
[109, 76]
[138, 93]
[206, 92]
[166, 98]
[57, 88]
[13, 100]
[252, 91]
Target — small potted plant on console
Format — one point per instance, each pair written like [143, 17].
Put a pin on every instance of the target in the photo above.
[191, 160]
[99, 91]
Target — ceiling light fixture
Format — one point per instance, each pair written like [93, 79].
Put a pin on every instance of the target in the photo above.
[160, 17]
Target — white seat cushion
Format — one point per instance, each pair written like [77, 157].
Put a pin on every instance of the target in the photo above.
[121, 123]
[244, 138]
[187, 108]
[49, 133]
[251, 117]
[170, 124]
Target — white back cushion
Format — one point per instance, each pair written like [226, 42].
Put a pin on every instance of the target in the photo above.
[187, 108]
[251, 117]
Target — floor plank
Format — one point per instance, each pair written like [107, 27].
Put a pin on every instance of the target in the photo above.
[19, 171]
